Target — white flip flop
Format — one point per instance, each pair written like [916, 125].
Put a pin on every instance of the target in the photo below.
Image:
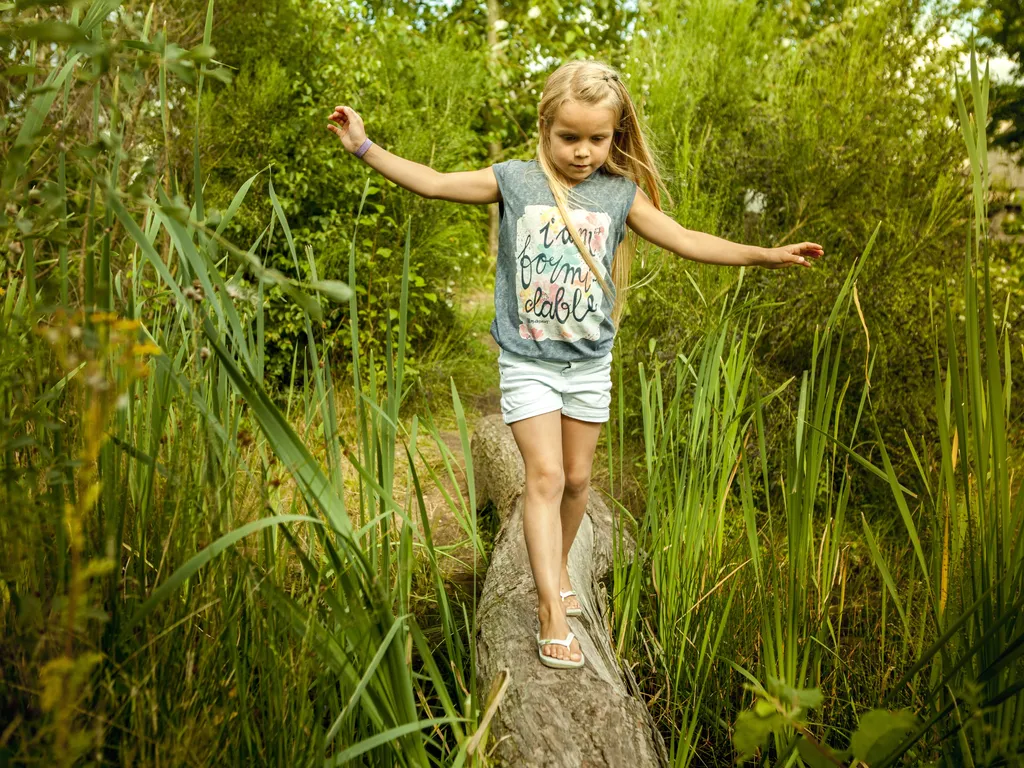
[571, 611]
[551, 661]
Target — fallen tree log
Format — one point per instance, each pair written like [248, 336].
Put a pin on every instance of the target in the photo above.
[592, 716]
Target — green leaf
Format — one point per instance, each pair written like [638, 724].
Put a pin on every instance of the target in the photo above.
[817, 755]
[335, 290]
[268, 275]
[308, 304]
[201, 53]
[52, 32]
[284, 222]
[752, 731]
[383, 738]
[805, 698]
[142, 45]
[883, 569]
[176, 210]
[21, 70]
[880, 732]
[221, 74]
[183, 71]
[146, 247]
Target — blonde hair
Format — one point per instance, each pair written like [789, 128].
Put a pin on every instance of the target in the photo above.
[595, 84]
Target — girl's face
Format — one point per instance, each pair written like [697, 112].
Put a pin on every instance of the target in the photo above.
[580, 138]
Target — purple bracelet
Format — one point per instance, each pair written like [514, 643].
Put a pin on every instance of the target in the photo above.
[363, 147]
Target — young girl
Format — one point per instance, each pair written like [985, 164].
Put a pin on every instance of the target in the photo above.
[556, 305]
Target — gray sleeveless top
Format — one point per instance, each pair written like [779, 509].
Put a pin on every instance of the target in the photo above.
[547, 303]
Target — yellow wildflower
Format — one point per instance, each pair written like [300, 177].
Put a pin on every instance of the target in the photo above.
[149, 348]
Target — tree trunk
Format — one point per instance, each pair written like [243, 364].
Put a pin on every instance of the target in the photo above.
[552, 717]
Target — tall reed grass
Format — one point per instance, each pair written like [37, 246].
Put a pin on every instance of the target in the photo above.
[963, 668]
[703, 547]
[858, 639]
[183, 560]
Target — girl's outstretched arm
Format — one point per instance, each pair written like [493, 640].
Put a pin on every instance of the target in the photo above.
[478, 187]
[657, 227]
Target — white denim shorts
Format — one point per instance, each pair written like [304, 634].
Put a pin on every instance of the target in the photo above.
[581, 389]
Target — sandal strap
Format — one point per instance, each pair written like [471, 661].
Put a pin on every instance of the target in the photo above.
[566, 593]
[566, 642]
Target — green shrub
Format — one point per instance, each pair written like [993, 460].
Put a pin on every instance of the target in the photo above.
[841, 131]
[417, 92]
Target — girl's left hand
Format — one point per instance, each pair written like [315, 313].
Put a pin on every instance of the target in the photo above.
[791, 255]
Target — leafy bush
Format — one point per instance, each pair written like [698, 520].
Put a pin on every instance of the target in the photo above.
[839, 132]
[417, 93]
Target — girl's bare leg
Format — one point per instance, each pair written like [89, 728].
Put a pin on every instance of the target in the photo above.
[540, 442]
[579, 441]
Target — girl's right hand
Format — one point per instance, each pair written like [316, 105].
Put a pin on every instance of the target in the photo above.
[349, 129]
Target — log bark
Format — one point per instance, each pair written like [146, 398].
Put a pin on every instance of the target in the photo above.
[592, 716]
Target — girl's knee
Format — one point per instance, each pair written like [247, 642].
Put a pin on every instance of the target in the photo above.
[576, 483]
[547, 483]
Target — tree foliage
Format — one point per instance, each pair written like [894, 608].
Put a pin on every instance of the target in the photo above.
[1002, 23]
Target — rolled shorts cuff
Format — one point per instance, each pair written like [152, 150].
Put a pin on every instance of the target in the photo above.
[543, 405]
[572, 411]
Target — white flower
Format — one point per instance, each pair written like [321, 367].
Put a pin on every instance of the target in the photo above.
[500, 24]
[533, 13]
